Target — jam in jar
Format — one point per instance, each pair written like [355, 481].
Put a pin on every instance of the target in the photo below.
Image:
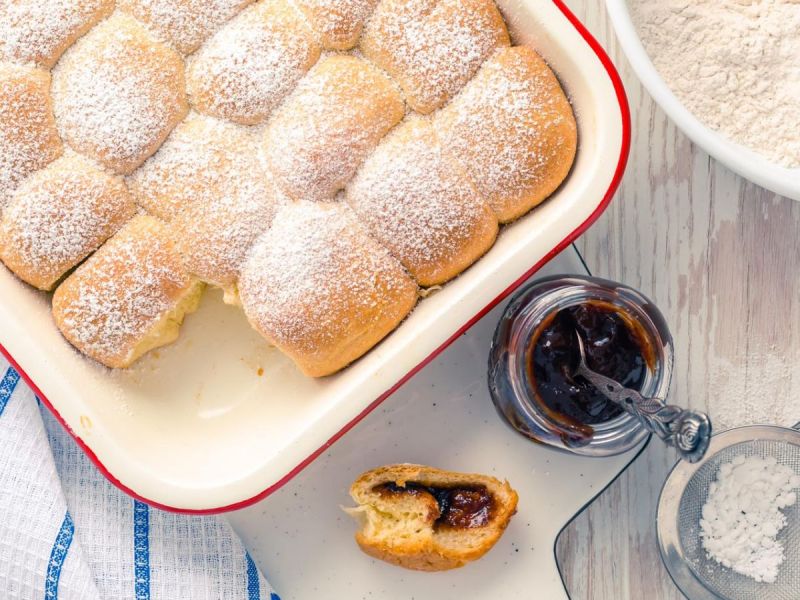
[535, 354]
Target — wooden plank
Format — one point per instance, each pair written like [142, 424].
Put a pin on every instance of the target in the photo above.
[721, 258]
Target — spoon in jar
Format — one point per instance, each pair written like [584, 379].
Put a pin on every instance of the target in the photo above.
[688, 431]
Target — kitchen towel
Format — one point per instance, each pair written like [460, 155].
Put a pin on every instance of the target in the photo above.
[67, 533]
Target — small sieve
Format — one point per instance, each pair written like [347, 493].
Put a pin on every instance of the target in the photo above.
[679, 510]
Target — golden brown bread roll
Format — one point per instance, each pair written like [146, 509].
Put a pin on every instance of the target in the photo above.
[28, 136]
[250, 65]
[338, 23]
[427, 519]
[214, 238]
[199, 161]
[60, 215]
[38, 31]
[432, 47]
[183, 23]
[118, 93]
[325, 129]
[513, 131]
[129, 297]
[421, 206]
[208, 182]
[320, 289]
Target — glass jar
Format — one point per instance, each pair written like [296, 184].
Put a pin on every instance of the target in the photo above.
[510, 378]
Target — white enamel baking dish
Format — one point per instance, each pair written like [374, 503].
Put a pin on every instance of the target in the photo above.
[219, 419]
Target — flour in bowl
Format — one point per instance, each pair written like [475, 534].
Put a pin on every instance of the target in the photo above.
[743, 515]
[735, 64]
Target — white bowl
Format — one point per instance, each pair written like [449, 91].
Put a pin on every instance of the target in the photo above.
[219, 419]
[743, 161]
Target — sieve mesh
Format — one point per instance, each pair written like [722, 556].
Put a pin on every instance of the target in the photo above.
[723, 581]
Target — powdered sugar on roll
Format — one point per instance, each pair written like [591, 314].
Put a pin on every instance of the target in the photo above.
[28, 136]
[337, 22]
[60, 215]
[183, 23]
[117, 93]
[512, 130]
[325, 130]
[252, 63]
[38, 31]
[200, 160]
[129, 297]
[421, 206]
[433, 47]
[318, 287]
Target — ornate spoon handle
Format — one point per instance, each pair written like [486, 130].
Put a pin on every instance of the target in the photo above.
[688, 431]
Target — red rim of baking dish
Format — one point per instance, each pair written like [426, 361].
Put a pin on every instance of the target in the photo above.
[618, 173]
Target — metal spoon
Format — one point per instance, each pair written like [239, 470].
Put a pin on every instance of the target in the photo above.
[686, 430]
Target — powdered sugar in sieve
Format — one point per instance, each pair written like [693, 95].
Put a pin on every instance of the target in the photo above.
[680, 508]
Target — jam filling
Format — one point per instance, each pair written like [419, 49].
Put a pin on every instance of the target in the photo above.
[463, 507]
[614, 345]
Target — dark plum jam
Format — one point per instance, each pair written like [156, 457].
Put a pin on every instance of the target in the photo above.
[462, 507]
[614, 346]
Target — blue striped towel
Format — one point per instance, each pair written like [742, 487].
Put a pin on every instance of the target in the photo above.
[67, 533]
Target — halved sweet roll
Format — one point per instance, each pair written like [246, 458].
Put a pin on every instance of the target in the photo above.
[324, 131]
[421, 206]
[512, 130]
[185, 24]
[338, 23]
[38, 31]
[118, 92]
[433, 47]
[320, 289]
[28, 136]
[129, 297]
[60, 215]
[252, 63]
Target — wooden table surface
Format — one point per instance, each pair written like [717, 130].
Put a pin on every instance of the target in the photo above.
[721, 258]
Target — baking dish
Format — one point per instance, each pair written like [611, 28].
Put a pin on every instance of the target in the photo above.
[219, 419]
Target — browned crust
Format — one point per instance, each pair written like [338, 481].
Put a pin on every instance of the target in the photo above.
[545, 141]
[427, 554]
[337, 26]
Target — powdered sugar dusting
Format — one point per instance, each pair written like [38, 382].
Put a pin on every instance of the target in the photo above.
[60, 215]
[209, 180]
[38, 31]
[116, 297]
[316, 274]
[196, 164]
[215, 237]
[117, 93]
[742, 515]
[511, 127]
[183, 23]
[323, 132]
[28, 135]
[252, 63]
[338, 22]
[433, 47]
[421, 207]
